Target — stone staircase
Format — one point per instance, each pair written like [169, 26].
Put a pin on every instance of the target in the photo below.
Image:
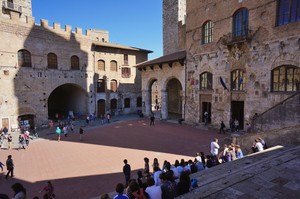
[273, 173]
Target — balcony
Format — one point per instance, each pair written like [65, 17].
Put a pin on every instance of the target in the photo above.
[11, 6]
[238, 37]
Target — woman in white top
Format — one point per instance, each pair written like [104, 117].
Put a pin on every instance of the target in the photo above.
[214, 147]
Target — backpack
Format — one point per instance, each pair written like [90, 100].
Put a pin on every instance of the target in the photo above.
[194, 182]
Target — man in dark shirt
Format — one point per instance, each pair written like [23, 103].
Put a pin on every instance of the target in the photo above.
[10, 167]
[126, 171]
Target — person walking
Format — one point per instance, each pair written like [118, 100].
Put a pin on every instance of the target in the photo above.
[58, 132]
[49, 191]
[126, 171]
[1, 166]
[108, 118]
[72, 127]
[10, 167]
[236, 125]
[65, 130]
[214, 147]
[152, 118]
[9, 141]
[206, 118]
[80, 133]
[222, 128]
[21, 142]
[1, 140]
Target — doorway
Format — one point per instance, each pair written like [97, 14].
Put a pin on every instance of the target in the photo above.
[101, 107]
[5, 123]
[237, 112]
[206, 107]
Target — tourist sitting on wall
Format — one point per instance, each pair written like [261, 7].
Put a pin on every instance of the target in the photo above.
[257, 146]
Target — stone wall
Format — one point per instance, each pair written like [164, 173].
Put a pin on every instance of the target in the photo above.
[286, 113]
[268, 47]
[284, 136]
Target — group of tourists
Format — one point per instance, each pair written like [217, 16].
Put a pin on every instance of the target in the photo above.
[23, 140]
[160, 182]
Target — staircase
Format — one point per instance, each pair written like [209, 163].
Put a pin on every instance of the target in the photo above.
[284, 114]
[273, 173]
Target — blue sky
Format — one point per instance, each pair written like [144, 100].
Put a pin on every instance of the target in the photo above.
[136, 23]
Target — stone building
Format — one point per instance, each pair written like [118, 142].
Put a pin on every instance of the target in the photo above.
[242, 62]
[49, 72]
[165, 76]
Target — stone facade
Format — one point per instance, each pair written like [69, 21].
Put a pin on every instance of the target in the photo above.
[240, 61]
[174, 15]
[266, 47]
[31, 90]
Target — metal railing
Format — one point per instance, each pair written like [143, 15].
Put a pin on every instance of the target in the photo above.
[12, 6]
[239, 36]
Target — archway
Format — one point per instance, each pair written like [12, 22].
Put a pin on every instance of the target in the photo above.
[174, 101]
[65, 99]
[155, 98]
[101, 107]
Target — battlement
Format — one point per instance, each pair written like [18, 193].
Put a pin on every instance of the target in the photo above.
[19, 19]
[97, 35]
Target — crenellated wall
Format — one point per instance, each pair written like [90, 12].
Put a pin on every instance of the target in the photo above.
[27, 90]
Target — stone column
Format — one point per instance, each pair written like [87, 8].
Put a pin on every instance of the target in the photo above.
[164, 104]
[146, 102]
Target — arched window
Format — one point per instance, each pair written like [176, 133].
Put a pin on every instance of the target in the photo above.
[240, 23]
[288, 11]
[24, 58]
[286, 78]
[207, 32]
[238, 80]
[113, 66]
[139, 102]
[101, 86]
[52, 60]
[127, 103]
[113, 85]
[101, 65]
[206, 81]
[75, 63]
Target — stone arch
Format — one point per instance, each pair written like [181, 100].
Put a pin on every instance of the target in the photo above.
[172, 106]
[147, 103]
[65, 98]
[206, 68]
[290, 59]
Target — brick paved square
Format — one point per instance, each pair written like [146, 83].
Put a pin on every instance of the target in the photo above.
[89, 168]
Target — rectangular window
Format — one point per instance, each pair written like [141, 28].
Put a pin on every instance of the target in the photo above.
[288, 11]
[101, 86]
[125, 59]
[126, 72]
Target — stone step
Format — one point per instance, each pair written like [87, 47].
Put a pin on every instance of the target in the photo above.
[245, 174]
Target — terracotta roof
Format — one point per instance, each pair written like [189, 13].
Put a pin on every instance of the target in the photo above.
[177, 56]
[111, 45]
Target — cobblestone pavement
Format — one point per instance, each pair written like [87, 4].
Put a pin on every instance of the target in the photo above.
[88, 168]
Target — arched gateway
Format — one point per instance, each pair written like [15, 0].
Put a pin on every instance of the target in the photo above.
[65, 99]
